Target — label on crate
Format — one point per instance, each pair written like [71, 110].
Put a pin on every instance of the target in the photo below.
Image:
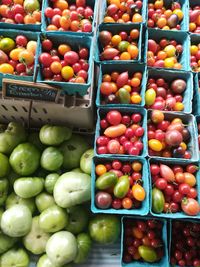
[29, 90]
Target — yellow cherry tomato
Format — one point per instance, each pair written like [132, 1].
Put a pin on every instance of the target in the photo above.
[14, 54]
[6, 68]
[179, 13]
[138, 192]
[169, 62]
[67, 72]
[155, 145]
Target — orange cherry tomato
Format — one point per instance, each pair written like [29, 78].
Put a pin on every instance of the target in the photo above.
[136, 98]
[106, 78]
[56, 67]
[138, 75]
[135, 82]
[134, 34]
[125, 17]
[137, 233]
[138, 192]
[125, 56]
[190, 179]
[108, 19]
[115, 131]
[37, 15]
[63, 48]
[114, 76]
[137, 18]
[136, 166]
[29, 19]
[26, 57]
[65, 22]
[127, 203]
[127, 87]
[100, 169]
[116, 39]
[61, 4]
[133, 51]
[113, 87]
[51, 27]
[161, 22]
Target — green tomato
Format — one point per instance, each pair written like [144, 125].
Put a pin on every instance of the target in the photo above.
[54, 135]
[72, 151]
[1, 213]
[72, 189]
[35, 140]
[86, 161]
[51, 159]
[84, 246]
[147, 253]
[50, 182]
[123, 45]
[43, 201]
[4, 185]
[25, 159]
[4, 166]
[28, 187]
[44, 261]
[6, 242]
[14, 258]
[106, 181]
[104, 228]
[62, 248]
[7, 44]
[12, 136]
[122, 187]
[124, 96]
[78, 219]
[53, 219]
[150, 97]
[14, 199]
[35, 241]
[158, 200]
[16, 221]
[77, 170]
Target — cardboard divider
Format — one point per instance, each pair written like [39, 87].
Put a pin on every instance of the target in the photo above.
[116, 29]
[189, 120]
[123, 110]
[131, 68]
[162, 263]
[181, 214]
[144, 209]
[170, 76]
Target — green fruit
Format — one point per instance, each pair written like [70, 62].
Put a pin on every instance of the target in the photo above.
[12, 136]
[25, 159]
[16, 221]
[44, 261]
[4, 185]
[86, 161]
[51, 159]
[150, 97]
[35, 140]
[35, 241]
[124, 96]
[62, 248]
[1, 213]
[31, 5]
[43, 201]
[6, 242]
[72, 189]
[14, 199]
[123, 45]
[50, 182]
[54, 135]
[4, 165]
[158, 200]
[78, 170]
[122, 187]
[28, 187]
[148, 254]
[104, 228]
[78, 219]
[106, 180]
[14, 258]
[7, 44]
[84, 246]
[53, 219]
[72, 151]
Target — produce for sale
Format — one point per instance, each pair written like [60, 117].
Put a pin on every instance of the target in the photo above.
[121, 46]
[174, 188]
[185, 243]
[120, 133]
[195, 57]
[123, 11]
[17, 57]
[121, 88]
[64, 15]
[29, 214]
[119, 185]
[198, 125]
[104, 229]
[162, 95]
[20, 12]
[166, 17]
[164, 54]
[194, 15]
[143, 241]
[64, 63]
[168, 138]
